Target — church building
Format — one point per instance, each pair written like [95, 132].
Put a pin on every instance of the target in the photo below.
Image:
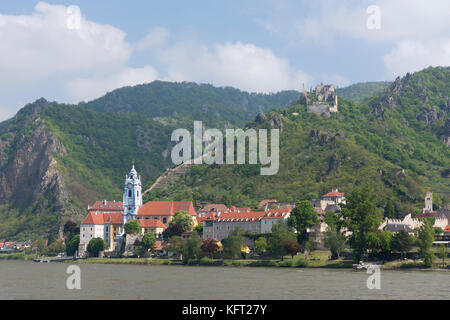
[106, 219]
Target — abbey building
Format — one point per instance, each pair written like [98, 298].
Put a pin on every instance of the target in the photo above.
[106, 219]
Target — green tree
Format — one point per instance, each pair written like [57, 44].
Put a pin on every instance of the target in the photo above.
[361, 217]
[402, 242]
[191, 247]
[389, 210]
[303, 217]
[183, 219]
[174, 245]
[261, 245]
[56, 247]
[149, 241]
[72, 246]
[280, 234]
[232, 245]
[335, 241]
[443, 253]
[132, 227]
[41, 247]
[95, 246]
[425, 241]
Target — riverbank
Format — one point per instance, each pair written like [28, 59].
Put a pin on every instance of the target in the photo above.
[317, 260]
[17, 256]
[286, 263]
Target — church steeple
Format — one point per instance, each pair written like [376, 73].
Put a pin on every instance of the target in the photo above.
[132, 196]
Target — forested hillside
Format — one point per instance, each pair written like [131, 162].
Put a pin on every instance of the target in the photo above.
[55, 159]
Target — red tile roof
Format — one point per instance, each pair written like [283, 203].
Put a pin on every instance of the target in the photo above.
[166, 208]
[207, 216]
[93, 218]
[113, 218]
[106, 206]
[151, 223]
[251, 216]
[235, 209]
[334, 193]
[158, 246]
[264, 202]
[217, 207]
[103, 218]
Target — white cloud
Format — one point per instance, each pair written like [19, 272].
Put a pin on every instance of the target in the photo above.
[85, 89]
[416, 31]
[42, 57]
[411, 56]
[155, 38]
[244, 66]
[400, 19]
[41, 45]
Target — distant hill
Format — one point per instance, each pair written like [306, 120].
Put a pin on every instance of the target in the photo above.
[359, 91]
[55, 158]
[216, 107]
[396, 141]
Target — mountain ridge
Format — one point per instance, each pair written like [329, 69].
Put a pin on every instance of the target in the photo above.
[57, 158]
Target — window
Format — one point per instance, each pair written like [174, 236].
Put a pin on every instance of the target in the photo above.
[164, 220]
[129, 193]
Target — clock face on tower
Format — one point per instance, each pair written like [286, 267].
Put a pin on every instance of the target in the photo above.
[129, 185]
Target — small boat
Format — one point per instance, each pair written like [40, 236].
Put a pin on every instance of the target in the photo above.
[361, 266]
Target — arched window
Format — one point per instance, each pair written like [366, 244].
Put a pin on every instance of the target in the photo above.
[129, 193]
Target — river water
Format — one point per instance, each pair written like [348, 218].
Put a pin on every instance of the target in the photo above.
[29, 280]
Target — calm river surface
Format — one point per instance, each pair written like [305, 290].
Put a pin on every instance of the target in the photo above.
[29, 280]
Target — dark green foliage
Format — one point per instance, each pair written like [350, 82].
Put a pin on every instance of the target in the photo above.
[95, 246]
[279, 236]
[335, 241]
[399, 151]
[359, 91]
[425, 241]
[233, 244]
[346, 150]
[402, 242]
[362, 219]
[132, 227]
[72, 246]
[191, 247]
[303, 217]
[191, 101]
[149, 241]
[184, 220]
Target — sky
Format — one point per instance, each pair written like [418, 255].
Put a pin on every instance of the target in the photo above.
[72, 51]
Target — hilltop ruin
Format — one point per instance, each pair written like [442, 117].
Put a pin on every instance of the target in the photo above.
[322, 100]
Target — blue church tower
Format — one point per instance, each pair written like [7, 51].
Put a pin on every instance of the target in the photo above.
[132, 197]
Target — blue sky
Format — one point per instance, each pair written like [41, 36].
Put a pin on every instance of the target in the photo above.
[261, 46]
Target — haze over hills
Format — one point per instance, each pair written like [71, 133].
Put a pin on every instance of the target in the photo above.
[55, 158]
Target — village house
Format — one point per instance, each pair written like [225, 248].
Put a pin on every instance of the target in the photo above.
[329, 201]
[220, 226]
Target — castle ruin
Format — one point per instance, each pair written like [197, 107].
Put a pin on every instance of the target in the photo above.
[322, 100]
